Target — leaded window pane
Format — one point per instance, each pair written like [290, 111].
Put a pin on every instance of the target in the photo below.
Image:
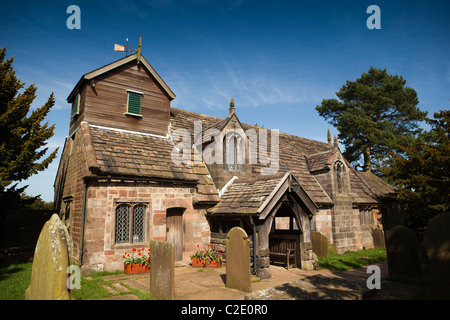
[138, 223]
[233, 154]
[122, 224]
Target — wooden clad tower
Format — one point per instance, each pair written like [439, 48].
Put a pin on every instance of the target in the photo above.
[127, 94]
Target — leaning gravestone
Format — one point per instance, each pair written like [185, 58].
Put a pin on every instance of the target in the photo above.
[238, 260]
[52, 257]
[162, 270]
[402, 252]
[378, 238]
[437, 246]
[319, 244]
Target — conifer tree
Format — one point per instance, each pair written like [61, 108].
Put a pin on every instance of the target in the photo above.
[375, 114]
[421, 173]
[23, 135]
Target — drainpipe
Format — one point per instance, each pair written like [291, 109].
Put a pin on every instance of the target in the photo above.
[83, 214]
[254, 244]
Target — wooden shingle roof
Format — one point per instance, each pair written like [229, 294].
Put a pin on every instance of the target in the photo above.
[246, 196]
[291, 154]
[120, 153]
[123, 153]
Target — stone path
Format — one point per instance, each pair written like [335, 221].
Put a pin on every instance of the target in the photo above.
[193, 283]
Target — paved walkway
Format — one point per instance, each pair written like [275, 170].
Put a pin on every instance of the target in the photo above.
[193, 283]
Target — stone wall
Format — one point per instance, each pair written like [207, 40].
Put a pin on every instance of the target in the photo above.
[69, 187]
[323, 223]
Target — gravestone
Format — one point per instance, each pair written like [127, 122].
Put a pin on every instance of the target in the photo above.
[378, 238]
[238, 260]
[402, 252]
[162, 270]
[52, 257]
[437, 247]
[319, 244]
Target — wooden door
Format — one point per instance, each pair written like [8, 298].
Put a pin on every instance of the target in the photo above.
[175, 230]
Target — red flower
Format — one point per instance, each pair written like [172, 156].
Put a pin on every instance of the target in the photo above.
[198, 246]
[140, 253]
[134, 249]
[123, 256]
[209, 245]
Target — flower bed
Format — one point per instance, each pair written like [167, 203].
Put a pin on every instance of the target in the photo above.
[207, 258]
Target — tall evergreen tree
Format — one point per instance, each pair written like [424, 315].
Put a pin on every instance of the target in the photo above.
[375, 115]
[421, 173]
[23, 136]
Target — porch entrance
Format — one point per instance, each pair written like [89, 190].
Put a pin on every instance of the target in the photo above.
[284, 239]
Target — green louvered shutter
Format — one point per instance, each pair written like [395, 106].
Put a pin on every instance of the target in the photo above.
[75, 104]
[134, 103]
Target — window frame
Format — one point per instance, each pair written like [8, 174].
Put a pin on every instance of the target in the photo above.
[131, 223]
[76, 105]
[231, 145]
[365, 217]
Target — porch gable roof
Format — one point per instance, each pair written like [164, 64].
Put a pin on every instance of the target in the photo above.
[259, 195]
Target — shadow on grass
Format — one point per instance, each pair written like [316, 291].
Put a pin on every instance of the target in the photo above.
[9, 269]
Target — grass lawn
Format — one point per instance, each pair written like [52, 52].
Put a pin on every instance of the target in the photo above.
[15, 277]
[352, 259]
[14, 280]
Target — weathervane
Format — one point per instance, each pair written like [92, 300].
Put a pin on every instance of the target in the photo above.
[127, 49]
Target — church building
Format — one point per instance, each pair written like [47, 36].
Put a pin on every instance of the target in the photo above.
[134, 169]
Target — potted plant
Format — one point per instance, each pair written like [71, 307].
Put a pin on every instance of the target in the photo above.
[137, 262]
[207, 258]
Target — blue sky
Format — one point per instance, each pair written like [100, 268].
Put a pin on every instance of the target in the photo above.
[278, 59]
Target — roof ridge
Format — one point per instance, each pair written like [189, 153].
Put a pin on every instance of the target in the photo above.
[246, 125]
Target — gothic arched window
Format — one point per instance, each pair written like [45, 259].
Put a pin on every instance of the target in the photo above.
[230, 151]
[339, 169]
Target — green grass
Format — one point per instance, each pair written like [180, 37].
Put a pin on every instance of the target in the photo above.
[14, 280]
[352, 259]
[15, 277]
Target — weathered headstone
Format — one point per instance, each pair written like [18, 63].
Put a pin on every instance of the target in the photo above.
[437, 246]
[378, 238]
[162, 270]
[402, 252]
[238, 260]
[319, 244]
[52, 257]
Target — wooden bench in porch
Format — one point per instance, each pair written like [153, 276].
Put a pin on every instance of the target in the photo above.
[284, 249]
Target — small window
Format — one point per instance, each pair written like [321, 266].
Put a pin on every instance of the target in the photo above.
[231, 152]
[339, 167]
[134, 103]
[365, 217]
[122, 224]
[76, 105]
